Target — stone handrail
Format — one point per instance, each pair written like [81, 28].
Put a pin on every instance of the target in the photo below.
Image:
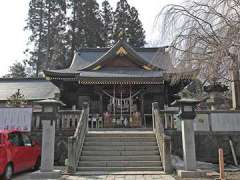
[163, 141]
[66, 120]
[75, 142]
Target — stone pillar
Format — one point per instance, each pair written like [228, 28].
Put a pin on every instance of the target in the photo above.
[212, 100]
[71, 155]
[38, 122]
[235, 91]
[167, 164]
[235, 84]
[48, 118]
[48, 139]
[187, 115]
[47, 156]
[188, 141]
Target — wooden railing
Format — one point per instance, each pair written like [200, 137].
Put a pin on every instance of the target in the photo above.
[75, 143]
[163, 141]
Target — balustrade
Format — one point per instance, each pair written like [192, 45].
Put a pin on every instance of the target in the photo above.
[66, 120]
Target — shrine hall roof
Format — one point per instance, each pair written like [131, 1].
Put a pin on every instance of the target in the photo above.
[88, 57]
[85, 60]
[121, 73]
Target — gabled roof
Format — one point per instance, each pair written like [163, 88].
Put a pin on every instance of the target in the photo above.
[31, 88]
[121, 48]
[88, 59]
[85, 57]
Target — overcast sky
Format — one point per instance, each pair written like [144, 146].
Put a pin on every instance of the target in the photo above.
[13, 14]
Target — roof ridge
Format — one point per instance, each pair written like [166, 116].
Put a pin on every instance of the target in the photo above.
[106, 49]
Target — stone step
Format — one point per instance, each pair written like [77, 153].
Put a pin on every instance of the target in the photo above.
[155, 174]
[120, 139]
[121, 158]
[119, 163]
[105, 143]
[127, 135]
[116, 169]
[121, 130]
[119, 148]
[119, 153]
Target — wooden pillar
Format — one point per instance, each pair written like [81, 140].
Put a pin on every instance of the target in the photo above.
[142, 110]
[101, 103]
[165, 91]
[165, 104]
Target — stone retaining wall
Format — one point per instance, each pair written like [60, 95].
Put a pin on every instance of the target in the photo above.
[207, 144]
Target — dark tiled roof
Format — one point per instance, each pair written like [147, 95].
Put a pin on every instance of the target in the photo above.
[31, 88]
[86, 57]
[121, 73]
[89, 58]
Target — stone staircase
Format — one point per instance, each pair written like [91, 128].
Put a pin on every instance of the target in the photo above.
[120, 151]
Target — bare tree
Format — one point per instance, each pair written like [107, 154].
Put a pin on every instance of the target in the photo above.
[205, 35]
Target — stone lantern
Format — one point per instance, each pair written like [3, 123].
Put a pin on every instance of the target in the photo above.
[48, 118]
[187, 114]
[215, 92]
[186, 108]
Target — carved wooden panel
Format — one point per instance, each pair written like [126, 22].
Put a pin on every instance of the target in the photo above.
[120, 61]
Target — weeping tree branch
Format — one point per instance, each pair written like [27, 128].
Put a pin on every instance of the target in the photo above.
[205, 35]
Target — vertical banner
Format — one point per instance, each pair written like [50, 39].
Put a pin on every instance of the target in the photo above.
[15, 118]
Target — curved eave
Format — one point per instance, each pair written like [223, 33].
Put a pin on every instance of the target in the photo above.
[127, 80]
[55, 75]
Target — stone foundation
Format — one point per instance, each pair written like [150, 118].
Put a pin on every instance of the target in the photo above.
[207, 145]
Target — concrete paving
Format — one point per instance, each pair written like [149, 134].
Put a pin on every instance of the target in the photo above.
[122, 176]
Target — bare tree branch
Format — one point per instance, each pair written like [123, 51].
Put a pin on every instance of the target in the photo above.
[205, 35]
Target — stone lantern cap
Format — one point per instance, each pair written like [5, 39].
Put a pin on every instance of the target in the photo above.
[186, 108]
[50, 101]
[215, 88]
[185, 101]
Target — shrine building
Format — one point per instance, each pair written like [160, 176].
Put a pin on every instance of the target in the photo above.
[119, 83]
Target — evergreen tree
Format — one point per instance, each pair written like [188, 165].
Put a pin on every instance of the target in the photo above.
[85, 25]
[35, 24]
[17, 70]
[46, 21]
[54, 36]
[92, 24]
[121, 20]
[56, 18]
[136, 31]
[126, 21]
[107, 19]
[75, 35]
